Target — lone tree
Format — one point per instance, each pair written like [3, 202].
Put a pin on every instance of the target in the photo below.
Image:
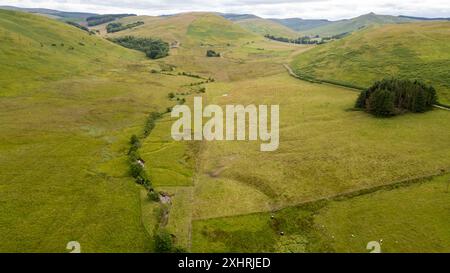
[391, 97]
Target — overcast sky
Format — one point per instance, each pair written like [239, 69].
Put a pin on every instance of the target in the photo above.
[308, 9]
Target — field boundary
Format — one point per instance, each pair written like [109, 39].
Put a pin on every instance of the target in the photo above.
[350, 87]
[348, 195]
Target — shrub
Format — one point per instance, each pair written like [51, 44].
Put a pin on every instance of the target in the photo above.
[163, 241]
[136, 170]
[151, 122]
[143, 179]
[212, 53]
[134, 156]
[135, 142]
[153, 195]
[393, 96]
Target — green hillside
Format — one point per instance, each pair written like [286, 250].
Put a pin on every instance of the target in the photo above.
[264, 26]
[70, 101]
[56, 14]
[185, 27]
[238, 17]
[34, 47]
[299, 24]
[411, 51]
[354, 24]
[212, 28]
[68, 105]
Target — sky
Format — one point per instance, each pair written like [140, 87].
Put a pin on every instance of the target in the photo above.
[306, 9]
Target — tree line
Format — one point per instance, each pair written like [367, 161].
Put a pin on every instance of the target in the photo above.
[153, 48]
[116, 27]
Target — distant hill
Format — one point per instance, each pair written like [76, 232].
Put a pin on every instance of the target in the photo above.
[237, 17]
[419, 50]
[358, 23]
[425, 18]
[264, 26]
[196, 27]
[298, 24]
[83, 18]
[72, 16]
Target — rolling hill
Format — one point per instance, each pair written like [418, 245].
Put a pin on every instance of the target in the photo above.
[194, 26]
[354, 24]
[415, 51]
[298, 24]
[238, 17]
[56, 14]
[31, 43]
[263, 26]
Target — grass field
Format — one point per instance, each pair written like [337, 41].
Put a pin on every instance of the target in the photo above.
[324, 149]
[347, 225]
[67, 116]
[412, 51]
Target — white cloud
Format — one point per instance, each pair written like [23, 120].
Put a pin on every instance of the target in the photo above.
[329, 9]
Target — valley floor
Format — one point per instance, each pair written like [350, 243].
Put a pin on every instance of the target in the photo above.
[325, 151]
[329, 187]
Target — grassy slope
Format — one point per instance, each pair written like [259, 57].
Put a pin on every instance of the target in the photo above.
[301, 25]
[414, 51]
[263, 27]
[30, 43]
[66, 119]
[235, 178]
[215, 29]
[355, 24]
[340, 226]
[315, 158]
[198, 26]
[172, 28]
